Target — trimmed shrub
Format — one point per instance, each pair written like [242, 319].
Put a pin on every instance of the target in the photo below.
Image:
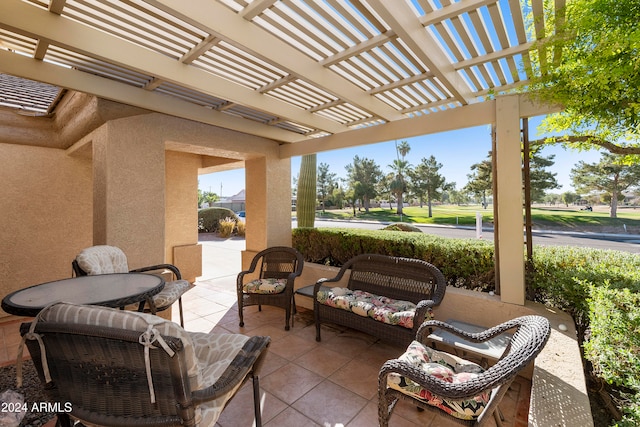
[209, 219]
[562, 274]
[464, 262]
[241, 228]
[400, 226]
[614, 345]
[227, 226]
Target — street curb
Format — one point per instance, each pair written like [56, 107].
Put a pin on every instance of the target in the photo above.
[490, 229]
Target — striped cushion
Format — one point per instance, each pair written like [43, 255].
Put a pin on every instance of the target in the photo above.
[208, 354]
[123, 319]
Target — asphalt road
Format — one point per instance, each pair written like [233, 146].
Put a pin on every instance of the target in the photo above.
[618, 242]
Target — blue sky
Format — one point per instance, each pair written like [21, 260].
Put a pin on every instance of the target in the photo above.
[456, 151]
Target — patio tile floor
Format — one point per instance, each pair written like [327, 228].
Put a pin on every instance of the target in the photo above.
[303, 382]
[306, 383]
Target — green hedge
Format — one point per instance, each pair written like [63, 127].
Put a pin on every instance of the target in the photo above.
[598, 288]
[464, 262]
[563, 275]
[209, 219]
[614, 345]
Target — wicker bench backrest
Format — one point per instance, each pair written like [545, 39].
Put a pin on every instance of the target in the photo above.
[394, 277]
[100, 374]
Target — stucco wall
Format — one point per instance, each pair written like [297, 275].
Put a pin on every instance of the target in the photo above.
[46, 214]
[181, 215]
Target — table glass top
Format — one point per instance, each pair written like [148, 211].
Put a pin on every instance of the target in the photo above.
[86, 289]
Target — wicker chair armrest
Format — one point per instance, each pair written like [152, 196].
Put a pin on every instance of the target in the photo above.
[322, 282]
[173, 268]
[240, 278]
[427, 328]
[447, 390]
[292, 276]
[425, 304]
[240, 366]
[422, 310]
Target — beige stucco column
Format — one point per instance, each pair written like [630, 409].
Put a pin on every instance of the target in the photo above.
[510, 235]
[268, 204]
[129, 196]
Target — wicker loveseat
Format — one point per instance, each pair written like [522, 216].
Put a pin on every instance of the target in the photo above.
[387, 297]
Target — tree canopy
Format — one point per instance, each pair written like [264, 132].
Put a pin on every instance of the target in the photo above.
[427, 182]
[541, 179]
[363, 176]
[609, 176]
[326, 182]
[590, 66]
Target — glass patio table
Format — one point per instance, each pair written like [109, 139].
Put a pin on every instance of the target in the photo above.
[109, 290]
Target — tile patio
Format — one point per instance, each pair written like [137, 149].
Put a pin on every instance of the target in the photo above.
[303, 382]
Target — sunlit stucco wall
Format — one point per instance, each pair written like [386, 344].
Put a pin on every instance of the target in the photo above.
[45, 214]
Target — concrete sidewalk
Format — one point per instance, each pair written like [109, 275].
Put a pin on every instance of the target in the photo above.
[220, 257]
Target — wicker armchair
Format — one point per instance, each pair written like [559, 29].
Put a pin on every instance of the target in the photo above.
[438, 381]
[103, 259]
[277, 270]
[111, 367]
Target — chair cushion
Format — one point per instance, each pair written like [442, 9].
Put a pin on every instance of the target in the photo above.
[124, 319]
[380, 308]
[170, 293]
[215, 352]
[265, 286]
[446, 367]
[102, 259]
[208, 354]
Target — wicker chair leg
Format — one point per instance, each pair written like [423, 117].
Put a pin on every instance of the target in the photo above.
[497, 415]
[240, 312]
[256, 399]
[63, 420]
[287, 317]
[384, 410]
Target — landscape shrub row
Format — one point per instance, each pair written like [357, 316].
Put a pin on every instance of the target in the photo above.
[598, 288]
[465, 263]
[601, 291]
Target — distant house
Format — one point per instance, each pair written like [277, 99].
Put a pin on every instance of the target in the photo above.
[235, 203]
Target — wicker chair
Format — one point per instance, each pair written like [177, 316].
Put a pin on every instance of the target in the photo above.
[470, 394]
[103, 259]
[111, 367]
[277, 270]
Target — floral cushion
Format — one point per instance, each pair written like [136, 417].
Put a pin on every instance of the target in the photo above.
[446, 367]
[380, 308]
[265, 286]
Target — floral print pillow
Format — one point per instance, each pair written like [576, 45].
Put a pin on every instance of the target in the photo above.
[446, 367]
[265, 286]
[380, 308]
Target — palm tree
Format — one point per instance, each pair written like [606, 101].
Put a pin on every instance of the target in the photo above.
[401, 167]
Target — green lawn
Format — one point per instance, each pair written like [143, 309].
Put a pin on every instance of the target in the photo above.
[556, 217]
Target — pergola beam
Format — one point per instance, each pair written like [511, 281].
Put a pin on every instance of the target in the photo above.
[41, 24]
[217, 19]
[404, 23]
